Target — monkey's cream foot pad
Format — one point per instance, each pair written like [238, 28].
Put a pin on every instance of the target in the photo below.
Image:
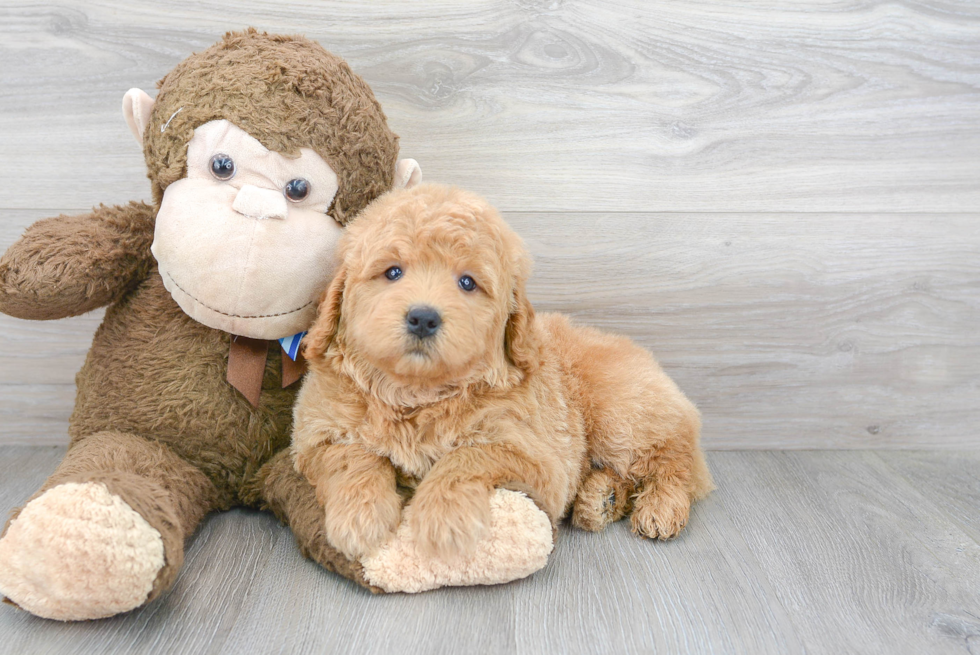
[79, 552]
[519, 544]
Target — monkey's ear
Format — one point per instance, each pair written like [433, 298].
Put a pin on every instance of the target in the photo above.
[408, 173]
[137, 105]
[324, 329]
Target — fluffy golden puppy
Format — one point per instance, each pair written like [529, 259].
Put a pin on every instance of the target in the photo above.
[429, 371]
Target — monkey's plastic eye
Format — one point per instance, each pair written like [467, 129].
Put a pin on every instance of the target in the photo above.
[394, 273]
[466, 283]
[222, 167]
[297, 189]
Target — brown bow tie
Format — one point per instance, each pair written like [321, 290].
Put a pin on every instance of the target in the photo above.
[246, 366]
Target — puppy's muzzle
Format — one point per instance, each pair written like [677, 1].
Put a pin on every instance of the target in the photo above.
[423, 321]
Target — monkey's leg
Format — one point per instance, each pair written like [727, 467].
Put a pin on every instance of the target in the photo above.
[105, 534]
[285, 491]
[69, 265]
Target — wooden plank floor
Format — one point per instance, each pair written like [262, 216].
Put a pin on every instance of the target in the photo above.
[818, 552]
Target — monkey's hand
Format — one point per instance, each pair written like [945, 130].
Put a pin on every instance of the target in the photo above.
[69, 265]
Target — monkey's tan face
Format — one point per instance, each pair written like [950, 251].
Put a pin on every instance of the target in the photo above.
[244, 243]
[429, 302]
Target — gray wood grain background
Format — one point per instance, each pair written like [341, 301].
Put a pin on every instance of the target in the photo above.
[780, 200]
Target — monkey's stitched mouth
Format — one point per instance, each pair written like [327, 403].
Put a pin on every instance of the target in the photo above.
[218, 311]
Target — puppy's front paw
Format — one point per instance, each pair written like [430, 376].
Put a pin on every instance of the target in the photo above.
[356, 523]
[660, 515]
[449, 523]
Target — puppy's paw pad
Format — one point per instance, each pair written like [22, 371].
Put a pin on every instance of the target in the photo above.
[599, 502]
[79, 552]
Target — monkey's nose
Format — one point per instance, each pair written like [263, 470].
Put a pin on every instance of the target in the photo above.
[256, 202]
[423, 321]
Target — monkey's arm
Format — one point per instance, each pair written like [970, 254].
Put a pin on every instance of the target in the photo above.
[69, 265]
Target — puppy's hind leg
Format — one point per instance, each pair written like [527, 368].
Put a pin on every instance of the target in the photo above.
[642, 430]
[603, 498]
[662, 502]
[668, 466]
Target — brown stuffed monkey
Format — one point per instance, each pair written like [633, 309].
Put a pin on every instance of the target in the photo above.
[258, 149]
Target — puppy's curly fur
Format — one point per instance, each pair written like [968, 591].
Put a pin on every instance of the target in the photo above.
[496, 397]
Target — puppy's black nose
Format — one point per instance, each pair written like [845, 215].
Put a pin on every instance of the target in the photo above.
[423, 322]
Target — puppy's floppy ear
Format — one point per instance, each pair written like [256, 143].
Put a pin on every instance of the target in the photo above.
[324, 329]
[519, 340]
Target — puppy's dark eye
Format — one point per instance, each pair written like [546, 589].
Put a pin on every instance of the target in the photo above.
[222, 167]
[393, 273]
[466, 283]
[297, 189]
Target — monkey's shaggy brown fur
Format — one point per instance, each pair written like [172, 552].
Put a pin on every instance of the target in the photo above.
[154, 419]
[495, 397]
